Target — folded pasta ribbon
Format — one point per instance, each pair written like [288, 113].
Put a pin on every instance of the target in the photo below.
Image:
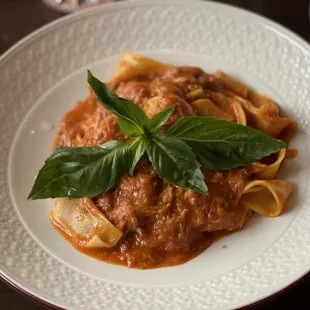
[266, 198]
[263, 114]
[82, 220]
[268, 172]
[132, 65]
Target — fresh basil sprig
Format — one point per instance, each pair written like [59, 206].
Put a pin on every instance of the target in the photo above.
[223, 145]
[176, 163]
[159, 119]
[82, 171]
[138, 148]
[131, 118]
[177, 156]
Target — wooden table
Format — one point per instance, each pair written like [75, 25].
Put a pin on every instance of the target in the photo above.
[20, 17]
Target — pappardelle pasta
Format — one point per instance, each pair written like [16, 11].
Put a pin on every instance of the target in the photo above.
[145, 222]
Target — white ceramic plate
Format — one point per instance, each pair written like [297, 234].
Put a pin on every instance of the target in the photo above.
[44, 75]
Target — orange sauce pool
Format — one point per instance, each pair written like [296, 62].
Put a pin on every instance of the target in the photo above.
[291, 153]
[141, 259]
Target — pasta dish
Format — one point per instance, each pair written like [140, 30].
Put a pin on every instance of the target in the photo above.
[146, 220]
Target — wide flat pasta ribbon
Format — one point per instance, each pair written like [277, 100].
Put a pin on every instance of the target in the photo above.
[81, 220]
[268, 172]
[266, 198]
[263, 114]
[132, 66]
[229, 106]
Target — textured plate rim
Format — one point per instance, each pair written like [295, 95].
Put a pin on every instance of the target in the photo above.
[257, 303]
[281, 30]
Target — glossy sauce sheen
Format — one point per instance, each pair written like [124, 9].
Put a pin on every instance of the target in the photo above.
[144, 259]
[162, 224]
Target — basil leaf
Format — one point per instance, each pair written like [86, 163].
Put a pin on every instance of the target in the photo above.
[131, 117]
[138, 148]
[211, 158]
[236, 143]
[175, 162]
[159, 119]
[77, 172]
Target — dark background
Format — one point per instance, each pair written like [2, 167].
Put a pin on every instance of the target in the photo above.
[20, 17]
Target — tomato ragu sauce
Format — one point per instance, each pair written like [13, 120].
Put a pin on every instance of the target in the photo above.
[162, 224]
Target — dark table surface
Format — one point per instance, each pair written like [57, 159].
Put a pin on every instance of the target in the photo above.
[20, 17]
